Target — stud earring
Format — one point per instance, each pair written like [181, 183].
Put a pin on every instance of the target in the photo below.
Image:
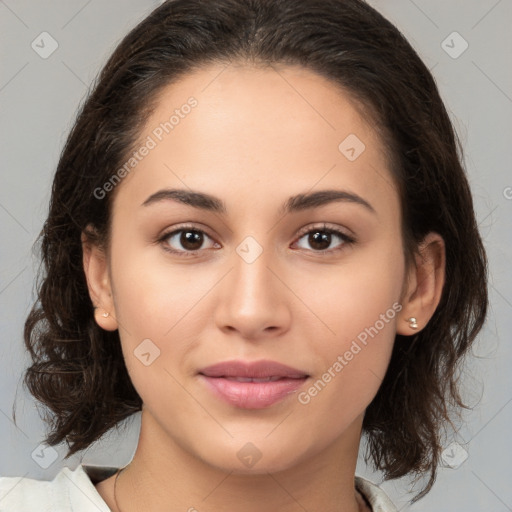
[105, 315]
[413, 323]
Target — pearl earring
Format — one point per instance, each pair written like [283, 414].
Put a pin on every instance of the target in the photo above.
[413, 323]
[105, 315]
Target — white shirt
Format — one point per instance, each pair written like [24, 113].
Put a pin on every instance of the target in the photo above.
[74, 491]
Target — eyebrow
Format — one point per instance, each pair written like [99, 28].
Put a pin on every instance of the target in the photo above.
[295, 203]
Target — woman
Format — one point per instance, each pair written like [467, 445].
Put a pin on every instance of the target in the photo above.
[260, 235]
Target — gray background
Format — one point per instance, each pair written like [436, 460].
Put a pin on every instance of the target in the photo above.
[38, 101]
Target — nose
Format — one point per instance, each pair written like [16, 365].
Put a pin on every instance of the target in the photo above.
[253, 300]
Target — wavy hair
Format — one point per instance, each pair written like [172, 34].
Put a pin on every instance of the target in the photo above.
[77, 369]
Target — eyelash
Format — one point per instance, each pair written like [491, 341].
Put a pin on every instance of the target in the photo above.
[347, 240]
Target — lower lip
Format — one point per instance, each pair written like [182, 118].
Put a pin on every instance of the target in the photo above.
[252, 395]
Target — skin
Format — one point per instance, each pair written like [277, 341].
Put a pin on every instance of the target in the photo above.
[256, 137]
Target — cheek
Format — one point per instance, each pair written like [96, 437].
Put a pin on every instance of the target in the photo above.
[359, 304]
[153, 299]
[352, 296]
[353, 365]
[157, 313]
[158, 326]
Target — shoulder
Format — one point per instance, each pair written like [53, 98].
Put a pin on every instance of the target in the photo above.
[70, 490]
[376, 497]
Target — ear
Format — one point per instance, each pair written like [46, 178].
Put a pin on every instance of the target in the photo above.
[425, 281]
[95, 264]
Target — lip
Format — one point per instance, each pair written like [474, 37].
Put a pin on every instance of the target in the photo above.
[252, 385]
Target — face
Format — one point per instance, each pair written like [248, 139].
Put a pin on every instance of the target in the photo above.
[294, 257]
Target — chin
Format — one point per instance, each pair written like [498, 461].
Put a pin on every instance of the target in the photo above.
[254, 458]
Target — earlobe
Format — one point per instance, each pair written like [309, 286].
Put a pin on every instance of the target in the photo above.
[425, 286]
[98, 283]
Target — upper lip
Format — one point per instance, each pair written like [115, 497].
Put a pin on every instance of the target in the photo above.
[252, 369]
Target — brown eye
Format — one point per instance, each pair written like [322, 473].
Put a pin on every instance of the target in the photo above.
[320, 239]
[185, 240]
[191, 240]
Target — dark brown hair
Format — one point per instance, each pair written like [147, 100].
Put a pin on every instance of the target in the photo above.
[78, 370]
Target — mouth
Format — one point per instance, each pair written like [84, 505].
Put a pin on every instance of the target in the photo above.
[252, 379]
[252, 385]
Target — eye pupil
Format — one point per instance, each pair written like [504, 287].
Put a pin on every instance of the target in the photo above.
[317, 238]
[191, 240]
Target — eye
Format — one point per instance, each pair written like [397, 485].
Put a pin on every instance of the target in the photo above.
[184, 241]
[321, 238]
[189, 240]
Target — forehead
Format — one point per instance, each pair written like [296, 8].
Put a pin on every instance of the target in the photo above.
[244, 130]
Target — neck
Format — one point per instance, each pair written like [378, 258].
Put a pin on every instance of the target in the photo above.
[165, 476]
